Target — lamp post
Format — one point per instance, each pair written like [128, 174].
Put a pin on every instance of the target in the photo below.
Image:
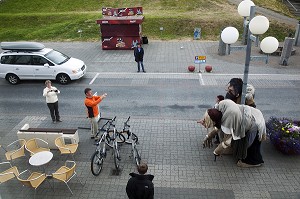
[257, 25]
[244, 11]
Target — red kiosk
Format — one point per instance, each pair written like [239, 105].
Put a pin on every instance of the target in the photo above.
[121, 27]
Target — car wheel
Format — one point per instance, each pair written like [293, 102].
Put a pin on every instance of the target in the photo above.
[12, 79]
[63, 78]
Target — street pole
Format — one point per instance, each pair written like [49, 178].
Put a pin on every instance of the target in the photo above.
[248, 58]
[245, 25]
[296, 41]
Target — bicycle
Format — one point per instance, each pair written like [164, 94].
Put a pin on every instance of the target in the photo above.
[100, 152]
[115, 138]
[119, 137]
[133, 140]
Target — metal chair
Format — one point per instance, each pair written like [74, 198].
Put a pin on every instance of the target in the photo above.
[33, 146]
[9, 173]
[34, 179]
[66, 173]
[14, 150]
[66, 148]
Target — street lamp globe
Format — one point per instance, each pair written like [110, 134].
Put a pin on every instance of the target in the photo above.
[230, 35]
[259, 25]
[244, 8]
[269, 45]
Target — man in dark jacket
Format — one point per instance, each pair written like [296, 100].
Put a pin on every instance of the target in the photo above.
[139, 57]
[140, 186]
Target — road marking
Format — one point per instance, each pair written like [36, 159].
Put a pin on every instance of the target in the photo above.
[201, 80]
[191, 74]
[91, 82]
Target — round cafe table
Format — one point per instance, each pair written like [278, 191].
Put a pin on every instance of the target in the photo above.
[41, 158]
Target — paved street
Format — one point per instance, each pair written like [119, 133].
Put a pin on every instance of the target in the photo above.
[164, 104]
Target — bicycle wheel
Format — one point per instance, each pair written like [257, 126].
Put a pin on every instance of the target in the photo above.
[116, 156]
[134, 138]
[109, 141]
[137, 157]
[97, 163]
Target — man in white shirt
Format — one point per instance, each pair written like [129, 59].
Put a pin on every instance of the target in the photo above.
[51, 92]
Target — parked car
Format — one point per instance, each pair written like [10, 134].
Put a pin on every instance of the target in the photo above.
[31, 60]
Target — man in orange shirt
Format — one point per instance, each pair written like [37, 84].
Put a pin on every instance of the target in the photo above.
[91, 102]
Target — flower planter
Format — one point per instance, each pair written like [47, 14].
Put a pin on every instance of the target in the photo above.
[208, 68]
[191, 68]
[284, 134]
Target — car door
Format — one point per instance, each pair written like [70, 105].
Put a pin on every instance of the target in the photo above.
[21, 66]
[43, 68]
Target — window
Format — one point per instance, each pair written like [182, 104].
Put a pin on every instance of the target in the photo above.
[38, 60]
[57, 57]
[7, 59]
[23, 60]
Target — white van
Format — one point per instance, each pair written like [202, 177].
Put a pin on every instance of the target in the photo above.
[31, 60]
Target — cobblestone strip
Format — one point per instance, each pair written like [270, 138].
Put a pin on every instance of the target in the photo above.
[258, 80]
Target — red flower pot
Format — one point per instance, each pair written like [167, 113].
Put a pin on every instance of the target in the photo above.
[208, 68]
[191, 68]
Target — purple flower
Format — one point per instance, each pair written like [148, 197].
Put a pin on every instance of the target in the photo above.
[284, 134]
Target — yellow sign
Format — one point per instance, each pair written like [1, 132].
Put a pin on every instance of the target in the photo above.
[200, 57]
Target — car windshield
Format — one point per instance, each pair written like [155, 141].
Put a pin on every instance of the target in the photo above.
[57, 57]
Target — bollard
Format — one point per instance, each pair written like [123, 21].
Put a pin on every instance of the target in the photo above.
[286, 51]
[297, 35]
[222, 47]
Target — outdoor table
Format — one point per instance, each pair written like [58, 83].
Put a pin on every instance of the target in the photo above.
[40, 159]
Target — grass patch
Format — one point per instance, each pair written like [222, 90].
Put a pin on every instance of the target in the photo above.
[58, 20]
[56, 27]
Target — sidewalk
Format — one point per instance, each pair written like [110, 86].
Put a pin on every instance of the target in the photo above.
[173, 57]
[182, 169]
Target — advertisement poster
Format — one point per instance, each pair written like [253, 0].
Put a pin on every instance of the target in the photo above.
[197, 33]
[121, 43]
[122, 12]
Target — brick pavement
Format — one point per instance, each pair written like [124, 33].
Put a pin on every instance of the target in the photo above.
[173, 150]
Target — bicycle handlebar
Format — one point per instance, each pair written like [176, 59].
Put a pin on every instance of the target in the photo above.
[111, 121]
[125, 123]
[102, 128]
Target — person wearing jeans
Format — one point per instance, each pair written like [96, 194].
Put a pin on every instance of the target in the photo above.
[139, 56]
[91, 102]
[51, 92]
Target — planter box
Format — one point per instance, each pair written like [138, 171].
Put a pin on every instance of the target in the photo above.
[47, 134]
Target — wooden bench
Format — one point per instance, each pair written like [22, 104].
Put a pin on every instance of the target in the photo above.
[48, 134]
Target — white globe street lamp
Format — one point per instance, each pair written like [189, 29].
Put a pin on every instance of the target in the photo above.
[244, 11]
[269, 45]
[257, 25]
[244, 8]
[230, 35]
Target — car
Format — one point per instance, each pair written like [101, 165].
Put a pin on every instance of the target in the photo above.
[33, 61]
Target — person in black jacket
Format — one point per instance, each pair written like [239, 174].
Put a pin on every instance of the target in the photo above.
[140, 186]
[139, 57]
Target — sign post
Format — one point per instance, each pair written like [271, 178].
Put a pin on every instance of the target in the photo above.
[199, 60]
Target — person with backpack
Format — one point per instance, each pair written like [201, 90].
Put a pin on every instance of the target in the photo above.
[140, 186]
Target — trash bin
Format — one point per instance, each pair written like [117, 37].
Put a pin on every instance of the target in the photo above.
[145, 40]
